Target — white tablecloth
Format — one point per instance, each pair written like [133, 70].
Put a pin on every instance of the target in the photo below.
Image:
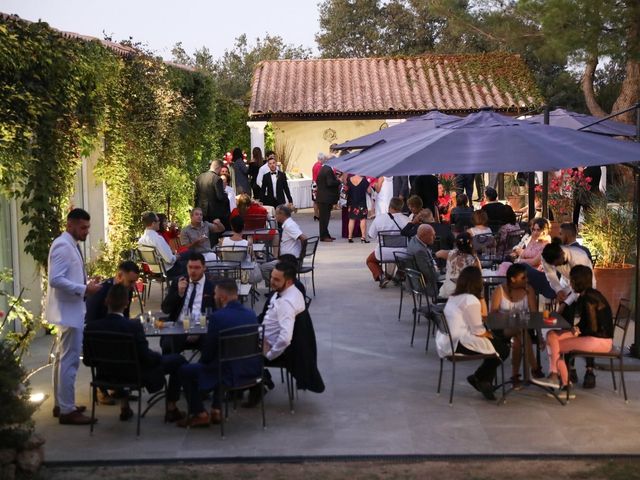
[301, 192]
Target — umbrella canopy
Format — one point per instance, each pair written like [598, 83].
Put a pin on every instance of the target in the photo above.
[487, 142]
[412, 126]
[575, 121]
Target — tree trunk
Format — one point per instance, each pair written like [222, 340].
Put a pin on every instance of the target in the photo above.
[586, 83]
[630, 90]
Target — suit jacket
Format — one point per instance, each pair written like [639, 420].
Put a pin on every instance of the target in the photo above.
[96, 306]
[426, 187]
[401, 186]
[173, 303]
[269, 197]
[241, 171]
[239, 372]
[425, 263]
[67, 283]
[211, 197]
[328, 186]
[301, 356]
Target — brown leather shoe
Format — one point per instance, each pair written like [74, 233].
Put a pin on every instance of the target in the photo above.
[56, 410]
[216, 416]
[195, 421]
[75, 418]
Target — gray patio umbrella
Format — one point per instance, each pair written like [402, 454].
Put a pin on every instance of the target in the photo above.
[576, 121]
[487, 142]
[412, 126]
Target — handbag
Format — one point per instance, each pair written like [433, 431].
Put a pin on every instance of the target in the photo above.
[409, 230]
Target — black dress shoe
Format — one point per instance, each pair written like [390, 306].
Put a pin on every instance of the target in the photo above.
[125, 414]
[56, 410]
[254, 397]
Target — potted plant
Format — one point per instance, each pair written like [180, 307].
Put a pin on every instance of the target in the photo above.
[512, 189]
[565, 186]
[609, 232]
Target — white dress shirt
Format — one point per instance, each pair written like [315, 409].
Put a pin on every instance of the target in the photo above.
[197, 301]
[261, 171]
[575, 256]
[385, 222]
[279, 320]
[464, 318]
[289, 242]
[151, 238]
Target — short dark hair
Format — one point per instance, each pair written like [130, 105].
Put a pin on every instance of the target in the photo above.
[289, 258]
[469, 281]
[396, 203]
[491, 193]
[462, 200]
[227, 285]
[552, 252]
[284, 209]
[237, 154]
[117, 298]
[237, 224]
[148, 218]
[196, 257]
[288, 270]
[78, 214]
[129, 267]
[581, 277]
[569, 228]
[464, 244]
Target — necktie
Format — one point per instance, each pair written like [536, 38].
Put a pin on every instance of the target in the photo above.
[84, 272]
[192, 298]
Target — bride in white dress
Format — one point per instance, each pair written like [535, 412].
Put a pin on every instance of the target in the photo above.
[384, 193]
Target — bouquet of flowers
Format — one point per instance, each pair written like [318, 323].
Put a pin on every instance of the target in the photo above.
[564, 188]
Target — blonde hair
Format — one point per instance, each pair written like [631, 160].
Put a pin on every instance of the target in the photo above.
[243, 202]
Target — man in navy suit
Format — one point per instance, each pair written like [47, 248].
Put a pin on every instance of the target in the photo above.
[198, 377]
[192, 294]
[153, 365]
[274, 186]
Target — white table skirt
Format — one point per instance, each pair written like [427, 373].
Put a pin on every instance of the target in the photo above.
[301, 192]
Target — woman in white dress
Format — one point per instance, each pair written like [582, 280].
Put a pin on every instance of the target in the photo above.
[464, 312]
[384, 193]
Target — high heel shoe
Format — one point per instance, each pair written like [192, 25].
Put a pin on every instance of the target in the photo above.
[364, 240]
[350, 240]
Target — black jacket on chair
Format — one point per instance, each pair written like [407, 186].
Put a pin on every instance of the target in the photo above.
[328, 186]
[282, 193]
[211, 197]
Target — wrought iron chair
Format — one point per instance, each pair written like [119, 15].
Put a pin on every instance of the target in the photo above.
[403, 261]
[307, 260]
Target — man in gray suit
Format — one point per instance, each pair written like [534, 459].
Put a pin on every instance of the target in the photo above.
[66, 308]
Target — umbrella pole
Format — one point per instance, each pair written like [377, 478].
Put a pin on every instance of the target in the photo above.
[545, 175]
[531, 181]
[635, 348]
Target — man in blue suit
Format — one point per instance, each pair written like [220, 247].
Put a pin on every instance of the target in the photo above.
[203, 376]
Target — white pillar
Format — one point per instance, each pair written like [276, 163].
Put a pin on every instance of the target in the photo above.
[257, 135]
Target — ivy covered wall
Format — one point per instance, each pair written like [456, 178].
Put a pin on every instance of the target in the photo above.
[62, 98]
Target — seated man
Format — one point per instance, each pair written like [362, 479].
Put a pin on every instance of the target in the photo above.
[151, 238]
[292, 239]
[186, 296]
[203, 376]
[195, 236]
[153, 365]
[497, 211]
[127, 275]
[419, 247]
[394, 220]
[569, 237]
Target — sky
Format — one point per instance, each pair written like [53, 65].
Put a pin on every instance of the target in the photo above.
[162, 23]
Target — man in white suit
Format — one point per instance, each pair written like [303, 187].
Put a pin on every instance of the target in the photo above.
[68, 288]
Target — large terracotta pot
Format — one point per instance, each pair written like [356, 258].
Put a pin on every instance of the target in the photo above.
[615, 283]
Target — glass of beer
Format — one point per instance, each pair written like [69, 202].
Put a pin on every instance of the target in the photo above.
[186, 322]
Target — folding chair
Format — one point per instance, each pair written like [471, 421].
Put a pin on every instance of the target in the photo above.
[153, 269]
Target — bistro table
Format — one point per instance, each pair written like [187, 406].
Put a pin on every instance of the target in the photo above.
[526, 321]
[491, 279]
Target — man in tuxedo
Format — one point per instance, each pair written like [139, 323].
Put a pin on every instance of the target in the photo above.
[211, 197]
[65, 307]
[203, 376]
[327, 194]
[274, 186]
[153, 365]
[187, 295]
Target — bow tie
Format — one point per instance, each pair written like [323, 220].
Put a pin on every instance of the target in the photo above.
[274, 173]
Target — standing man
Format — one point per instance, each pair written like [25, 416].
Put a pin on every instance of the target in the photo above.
[328, 192]
[68, 288]
[210, 195]
[314, 182]
[274, 186]
[264, 168]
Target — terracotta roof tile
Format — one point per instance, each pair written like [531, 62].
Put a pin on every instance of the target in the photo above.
[387, 86]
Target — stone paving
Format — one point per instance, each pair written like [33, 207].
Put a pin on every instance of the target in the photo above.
[380, 397]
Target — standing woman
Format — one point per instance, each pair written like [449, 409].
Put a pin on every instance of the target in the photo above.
[384, 190]
[464, 312]
[254, 166]
[357, 188]
[241, 171]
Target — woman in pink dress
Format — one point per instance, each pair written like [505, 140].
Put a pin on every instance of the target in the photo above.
[531, 254]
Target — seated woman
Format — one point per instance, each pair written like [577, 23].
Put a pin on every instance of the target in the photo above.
[464, 312]
[480, 221]
[254, 216]
[170, 233]
[594, 332]
[506, 229]
[532, 253]
[236, 239]
[444, 204]
[418, 214]
[458, 259]
[461, 214]
[516, 295]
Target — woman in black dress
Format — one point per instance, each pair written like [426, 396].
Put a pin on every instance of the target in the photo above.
[357, 188]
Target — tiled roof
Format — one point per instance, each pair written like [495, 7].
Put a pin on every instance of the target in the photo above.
[391, 86]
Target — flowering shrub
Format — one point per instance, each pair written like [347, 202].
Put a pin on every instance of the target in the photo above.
[448, 181]
[566, 186]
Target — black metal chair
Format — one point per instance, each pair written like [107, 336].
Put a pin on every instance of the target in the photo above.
[308, 254]
[390, 240]
[622, 321]
[420, 291]
[265, 242]
[441, 324]
[235, 345]
[231, 253]
[153, 269]
[403, 261]
[217, 269]
[110, 351]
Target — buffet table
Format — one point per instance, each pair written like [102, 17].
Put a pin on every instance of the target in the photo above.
[301, 192]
